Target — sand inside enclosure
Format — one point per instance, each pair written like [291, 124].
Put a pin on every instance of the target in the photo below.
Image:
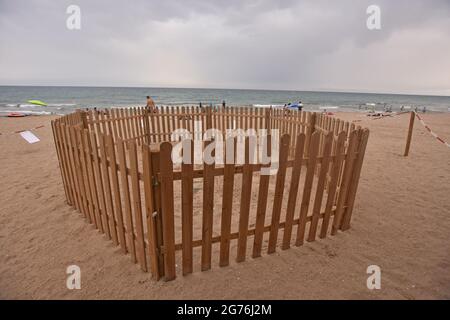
[401, 222]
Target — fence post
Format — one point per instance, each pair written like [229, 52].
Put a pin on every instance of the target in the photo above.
[309, 131]
[410, 132]
[151, 213]
[146, 126]
[167, 206]
[83, 116]
[156, 197]
[267, 115]
[208, 118]
[313, 122]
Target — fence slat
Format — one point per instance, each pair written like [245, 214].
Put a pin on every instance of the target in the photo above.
[98, 178]
[279, 190]
[355, 179]
[227, 204]
[247, 176]
[264, 180]
[107, 188]
[167, 210]
[345, 181]
[76, 150]
[327, 143]
[87, 188]
[153, 126]
[91, 176]
[126, 194]
[85, 165]
[335, 169]
[293, 190]
[208, 207]
[61, 162]
[116, 191]
[69, 162]
[67, 158]
[136, 196]
[312, 152]
[187, 193]
[72, 150]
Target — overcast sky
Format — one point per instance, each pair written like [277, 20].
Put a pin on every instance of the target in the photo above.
[300, 45]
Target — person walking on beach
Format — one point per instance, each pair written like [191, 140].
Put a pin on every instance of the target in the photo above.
[150, 104]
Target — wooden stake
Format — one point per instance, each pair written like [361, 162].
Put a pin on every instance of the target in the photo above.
[168, 210]
[410, 132]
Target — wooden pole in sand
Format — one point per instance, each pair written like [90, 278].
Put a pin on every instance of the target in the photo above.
[410, 131]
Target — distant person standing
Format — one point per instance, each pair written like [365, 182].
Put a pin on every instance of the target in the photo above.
[150, 104]
[223, 104]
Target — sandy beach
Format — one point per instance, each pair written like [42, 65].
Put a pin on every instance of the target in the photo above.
[401, 223]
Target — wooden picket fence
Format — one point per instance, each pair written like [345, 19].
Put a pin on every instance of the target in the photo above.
[117, 170]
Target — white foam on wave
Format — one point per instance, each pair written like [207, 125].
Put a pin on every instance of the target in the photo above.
[27, 112]
[268, 105]
[61, 104]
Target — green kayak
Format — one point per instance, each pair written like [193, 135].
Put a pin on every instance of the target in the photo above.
[37, 102]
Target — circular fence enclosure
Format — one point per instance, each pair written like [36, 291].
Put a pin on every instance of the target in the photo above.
[285, 177]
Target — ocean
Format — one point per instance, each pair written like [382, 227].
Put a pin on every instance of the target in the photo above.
[62, 100]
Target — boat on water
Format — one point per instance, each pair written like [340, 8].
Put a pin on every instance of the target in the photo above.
[295, 105]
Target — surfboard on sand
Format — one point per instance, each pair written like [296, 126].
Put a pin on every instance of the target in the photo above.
[37, 102]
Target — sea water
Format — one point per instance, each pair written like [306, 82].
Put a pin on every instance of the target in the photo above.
[62, 100]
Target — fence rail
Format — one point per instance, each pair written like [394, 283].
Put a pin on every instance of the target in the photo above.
[117, 171]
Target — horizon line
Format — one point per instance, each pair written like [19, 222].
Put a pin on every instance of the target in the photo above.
[237, 89]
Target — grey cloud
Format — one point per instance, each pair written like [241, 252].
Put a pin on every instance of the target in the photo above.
[239, 44]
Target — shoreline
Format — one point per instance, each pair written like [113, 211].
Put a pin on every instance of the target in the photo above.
[334, 110]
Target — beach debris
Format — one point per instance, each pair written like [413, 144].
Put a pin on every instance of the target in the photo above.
[29, 137]
[431, 131]
[19, 131]
[16, 115]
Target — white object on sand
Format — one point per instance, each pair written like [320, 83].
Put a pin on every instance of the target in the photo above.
[325, 108]
[29, 136]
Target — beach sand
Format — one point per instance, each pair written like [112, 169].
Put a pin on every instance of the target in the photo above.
[401, 223]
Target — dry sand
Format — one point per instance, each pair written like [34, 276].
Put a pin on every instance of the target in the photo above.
[401, 223]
